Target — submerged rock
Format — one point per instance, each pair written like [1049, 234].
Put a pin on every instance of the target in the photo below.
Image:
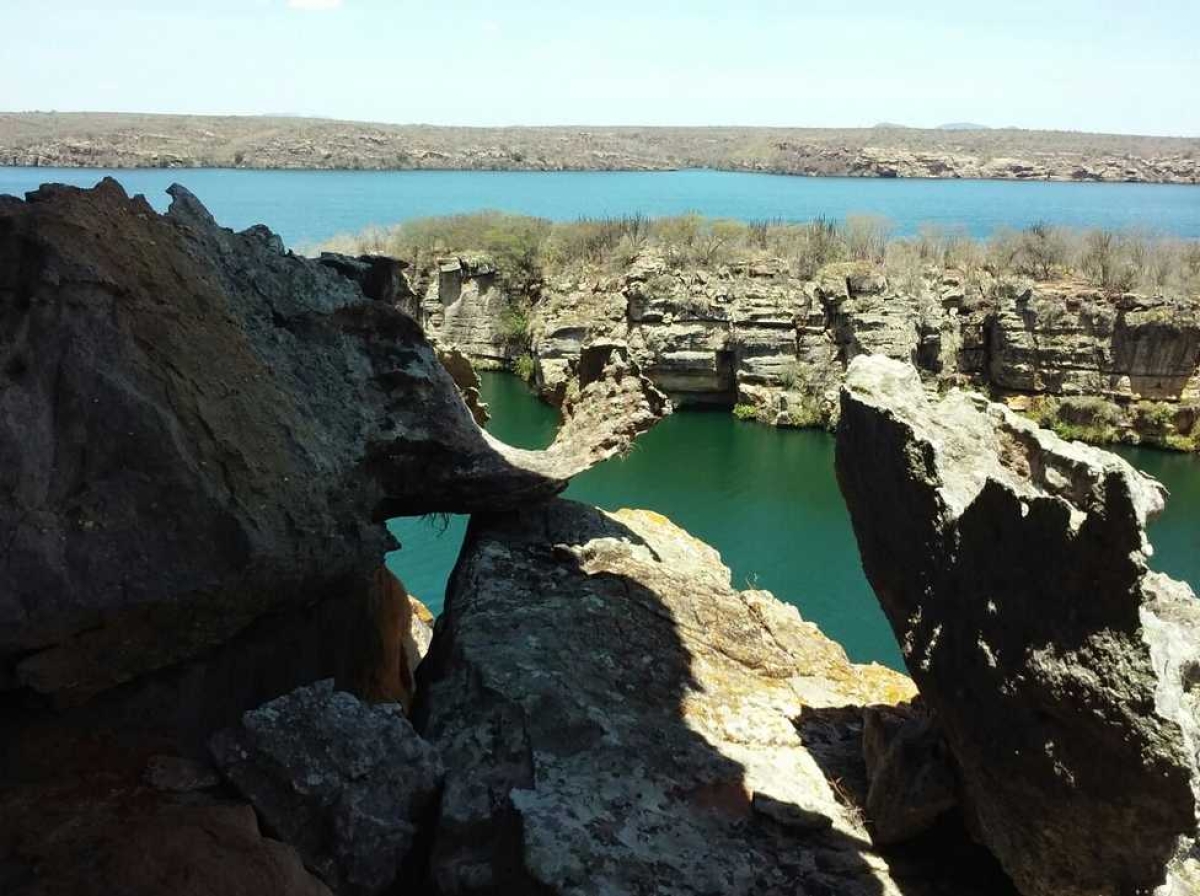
[615, 717]
[1013, 568]
[343, 782]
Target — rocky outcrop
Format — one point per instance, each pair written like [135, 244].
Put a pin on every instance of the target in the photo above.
[380, 277]
[463, 373]
[344, 782]
[616, 718]
[1013, 568]
[197, 426]
[753, 333]
[466, 306]
[200, 436]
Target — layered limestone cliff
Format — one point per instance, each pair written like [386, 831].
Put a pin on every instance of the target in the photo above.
[1102, 367]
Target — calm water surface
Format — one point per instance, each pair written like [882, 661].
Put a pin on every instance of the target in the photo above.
[305, 207]
[767, 499]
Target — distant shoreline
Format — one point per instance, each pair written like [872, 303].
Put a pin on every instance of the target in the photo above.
[120, 141]
[331, 170]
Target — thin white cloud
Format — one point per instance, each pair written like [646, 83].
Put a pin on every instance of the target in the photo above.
[314, 5]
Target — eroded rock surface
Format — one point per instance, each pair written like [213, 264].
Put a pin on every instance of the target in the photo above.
[344, 782]
[616, 718]
[754, 332]
[1013, 568]
[197, 427]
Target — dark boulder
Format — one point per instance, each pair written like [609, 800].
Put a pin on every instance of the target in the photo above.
[344, 782]
[1062, 671]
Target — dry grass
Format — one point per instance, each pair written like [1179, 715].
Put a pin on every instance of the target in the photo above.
[526, 249]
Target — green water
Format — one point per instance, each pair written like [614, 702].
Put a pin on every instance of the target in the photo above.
[766, 499]
[1175, 534]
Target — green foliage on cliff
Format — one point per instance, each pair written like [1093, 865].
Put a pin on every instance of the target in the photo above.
[525, 367]
[745, 411]
[515, 324]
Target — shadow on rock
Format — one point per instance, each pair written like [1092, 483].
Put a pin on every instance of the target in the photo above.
[615, 717]
[941, 858]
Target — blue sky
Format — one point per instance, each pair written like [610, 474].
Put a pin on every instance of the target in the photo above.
[1101, 66]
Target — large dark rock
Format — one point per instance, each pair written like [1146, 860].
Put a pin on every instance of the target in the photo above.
[1013, 568]
[344, 782]
[198, 427]
[615, 717]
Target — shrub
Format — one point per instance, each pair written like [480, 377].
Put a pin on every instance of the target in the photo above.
[515, 324]
[794, 376]
[1155, 415]
[745, 411]
[525, 367]
[1178, 442]
[806, 416]
[867, 237]
[816, 245]
[524, 249]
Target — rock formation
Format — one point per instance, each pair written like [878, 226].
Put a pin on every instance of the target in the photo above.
[343, 782]
[196, 425]
[754, 333]
[200, 436]
[1013, 568]
[616, 718]
[201, 433]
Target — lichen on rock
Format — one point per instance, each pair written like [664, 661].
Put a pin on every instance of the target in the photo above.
[615, 717]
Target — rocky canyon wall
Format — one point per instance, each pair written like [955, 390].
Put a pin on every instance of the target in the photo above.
[1102, 367]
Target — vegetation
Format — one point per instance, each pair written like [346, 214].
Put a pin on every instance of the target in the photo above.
[806, 416]
[526, 250]
[515, 324]
[525, 367]
[745, 411]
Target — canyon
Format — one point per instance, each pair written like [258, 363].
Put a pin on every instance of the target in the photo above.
[208, 684]
[124, 140]
[754, 336]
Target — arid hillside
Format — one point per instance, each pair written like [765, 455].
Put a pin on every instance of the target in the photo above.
[117, 140]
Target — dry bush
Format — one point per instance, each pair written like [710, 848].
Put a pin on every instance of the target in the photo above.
[525, 248]
[867, 237]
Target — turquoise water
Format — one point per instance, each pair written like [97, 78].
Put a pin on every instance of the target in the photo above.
[767, 499]
[308, 206]
[1175, 535]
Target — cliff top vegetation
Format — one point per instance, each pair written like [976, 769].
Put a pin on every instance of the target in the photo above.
[526, 249]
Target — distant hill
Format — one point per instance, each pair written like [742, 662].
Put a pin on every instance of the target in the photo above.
[962, 126]
[119, 140]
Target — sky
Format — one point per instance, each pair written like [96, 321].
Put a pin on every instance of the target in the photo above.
[1122, 67]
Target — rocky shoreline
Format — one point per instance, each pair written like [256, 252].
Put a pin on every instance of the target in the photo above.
[209, 685]
[774, 347]
[113, 140]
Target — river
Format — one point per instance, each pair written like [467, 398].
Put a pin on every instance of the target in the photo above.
[766, 498]
[305, 207]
